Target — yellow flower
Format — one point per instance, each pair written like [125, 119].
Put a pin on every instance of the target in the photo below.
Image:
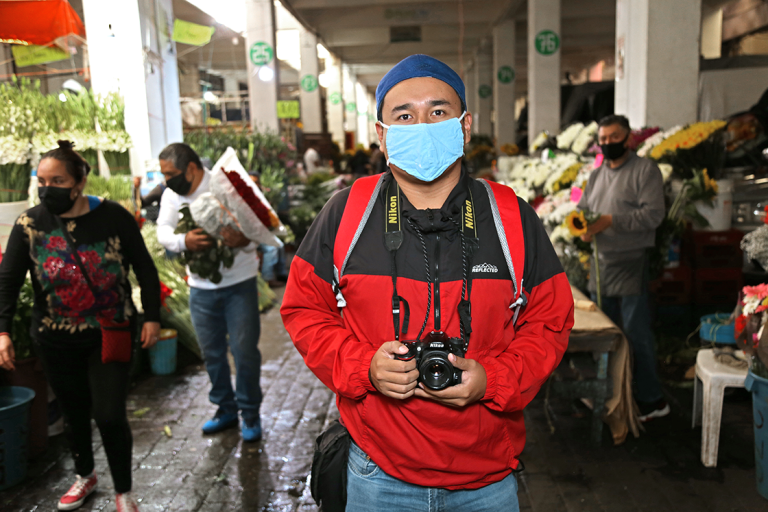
[576, 223]
[687, 138]
[709, 183]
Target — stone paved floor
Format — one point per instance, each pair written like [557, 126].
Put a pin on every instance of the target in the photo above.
[658, 472]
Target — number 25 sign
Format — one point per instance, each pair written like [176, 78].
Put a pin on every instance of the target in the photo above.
[547, 42]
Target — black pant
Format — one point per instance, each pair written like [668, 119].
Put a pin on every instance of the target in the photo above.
[88, 388]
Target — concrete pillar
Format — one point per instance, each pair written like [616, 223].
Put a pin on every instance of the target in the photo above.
[711, 32]
[350, 101]
[311, 114]
[335, 100]
[504, 67]
[544, 40]
[361, 98]
[483, 92]
[118, 34]
[657, 61]
[469, 93]
[262, 64]
[372, 137]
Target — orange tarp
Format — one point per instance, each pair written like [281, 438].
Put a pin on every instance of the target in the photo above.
[41, 22]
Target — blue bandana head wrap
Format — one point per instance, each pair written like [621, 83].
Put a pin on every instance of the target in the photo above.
[417, 66]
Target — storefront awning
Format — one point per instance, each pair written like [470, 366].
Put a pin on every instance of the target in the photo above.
[40, 22]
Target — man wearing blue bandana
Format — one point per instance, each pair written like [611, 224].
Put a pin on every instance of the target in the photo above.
[424, 252]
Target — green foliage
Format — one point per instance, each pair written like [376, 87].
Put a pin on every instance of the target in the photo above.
[310, 198]
[272, 183]
[258, 151]
[22, 321]
[14, 182]
[204, 263]
[117, 188]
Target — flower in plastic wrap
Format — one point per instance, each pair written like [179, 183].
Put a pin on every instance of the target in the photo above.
[242, 202]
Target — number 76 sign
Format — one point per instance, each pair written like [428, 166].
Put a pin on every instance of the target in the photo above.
[547, 42]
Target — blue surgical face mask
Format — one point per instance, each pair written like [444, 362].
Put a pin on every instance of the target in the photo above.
[425, 150]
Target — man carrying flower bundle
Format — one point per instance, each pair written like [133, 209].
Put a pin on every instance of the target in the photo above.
[227, 307]
[627, 191]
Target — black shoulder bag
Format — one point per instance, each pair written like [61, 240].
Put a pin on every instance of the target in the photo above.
[328, 482]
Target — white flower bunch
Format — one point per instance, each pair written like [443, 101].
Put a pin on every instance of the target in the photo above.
[566, 138]
[583, 177]
[584, 139]
[656, 139]
[522, 189]
[45, 141]
[561, 212]
[14, 151]
[539, 141]
[560, 234]
[18, 120]
[507, 164]
[118, 141]
[558, 165]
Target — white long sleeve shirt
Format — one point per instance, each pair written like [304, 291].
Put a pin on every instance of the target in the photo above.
[246, 264]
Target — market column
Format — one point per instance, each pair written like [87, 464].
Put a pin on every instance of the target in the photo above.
[262, 65]
[505, 125]
[657, 61]
[483, 91]
[361, 98]
[543, 67]
[469, 87]
[334, 100]
[150, 89]
[350, 106]
[311, 114]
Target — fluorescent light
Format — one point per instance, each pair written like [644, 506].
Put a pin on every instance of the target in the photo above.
[322, 52]
[266, 74]
[324, 80]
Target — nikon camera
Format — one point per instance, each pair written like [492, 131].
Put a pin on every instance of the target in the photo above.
[435, 370]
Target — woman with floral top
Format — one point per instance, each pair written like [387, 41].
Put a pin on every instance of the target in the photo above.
[72, 306]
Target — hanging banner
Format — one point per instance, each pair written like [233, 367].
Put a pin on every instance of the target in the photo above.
[288, 109]
[33, 54]
[186, 32]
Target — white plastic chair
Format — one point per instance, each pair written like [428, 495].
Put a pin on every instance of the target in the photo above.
[713, 377]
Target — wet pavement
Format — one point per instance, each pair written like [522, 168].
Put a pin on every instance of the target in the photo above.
[187, 471]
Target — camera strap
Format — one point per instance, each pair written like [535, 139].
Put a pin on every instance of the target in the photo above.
[393, 240]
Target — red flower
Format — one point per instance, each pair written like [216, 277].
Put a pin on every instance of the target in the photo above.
[165, 292]
[56, 243]
[741, 324]
[246, 192]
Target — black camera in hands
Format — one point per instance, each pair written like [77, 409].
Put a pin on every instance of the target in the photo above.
[436, 372]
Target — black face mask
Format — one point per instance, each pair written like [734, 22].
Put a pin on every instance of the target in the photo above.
[56, 200]
[179, 184]
[614, 150]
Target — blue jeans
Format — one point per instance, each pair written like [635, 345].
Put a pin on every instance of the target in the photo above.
[233, 310]
[633, 314]
[273, 262]
[369, 489]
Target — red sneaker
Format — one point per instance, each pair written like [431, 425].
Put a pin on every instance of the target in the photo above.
[81, 489]
[126, 503]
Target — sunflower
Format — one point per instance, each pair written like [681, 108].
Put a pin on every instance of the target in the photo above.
[576, 223]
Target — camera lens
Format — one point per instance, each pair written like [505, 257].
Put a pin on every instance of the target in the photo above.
[435, 370]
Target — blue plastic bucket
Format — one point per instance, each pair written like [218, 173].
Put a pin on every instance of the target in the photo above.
[14, 429]
[162, 357]
[759, 388]
[714, 329]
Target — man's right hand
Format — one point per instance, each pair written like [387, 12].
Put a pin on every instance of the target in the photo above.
[392, 377]
[197, 240]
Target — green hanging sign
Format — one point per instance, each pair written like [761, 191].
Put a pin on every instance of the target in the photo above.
[351, 106]
[309, 83]
[506, 74]
[261, 53]
[288, 109]
[547, 42]
[485, 91]
[191, 33]
[33, 54]
[335, 98]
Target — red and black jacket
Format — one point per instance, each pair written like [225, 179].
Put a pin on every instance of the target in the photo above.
[418, 440]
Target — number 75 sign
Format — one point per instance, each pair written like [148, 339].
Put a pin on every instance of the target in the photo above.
[547, 42]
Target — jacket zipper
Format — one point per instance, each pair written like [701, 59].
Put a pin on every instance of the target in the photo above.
[436, 274]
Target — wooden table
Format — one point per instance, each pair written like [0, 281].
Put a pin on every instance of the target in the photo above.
[593, 332]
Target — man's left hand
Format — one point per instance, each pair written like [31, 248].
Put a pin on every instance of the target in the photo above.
[600, 225]
[471, 389]
[234, 238]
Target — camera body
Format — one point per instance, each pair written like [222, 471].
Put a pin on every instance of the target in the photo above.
[436, 372]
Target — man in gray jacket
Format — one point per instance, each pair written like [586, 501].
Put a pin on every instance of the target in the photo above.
[627, 191]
